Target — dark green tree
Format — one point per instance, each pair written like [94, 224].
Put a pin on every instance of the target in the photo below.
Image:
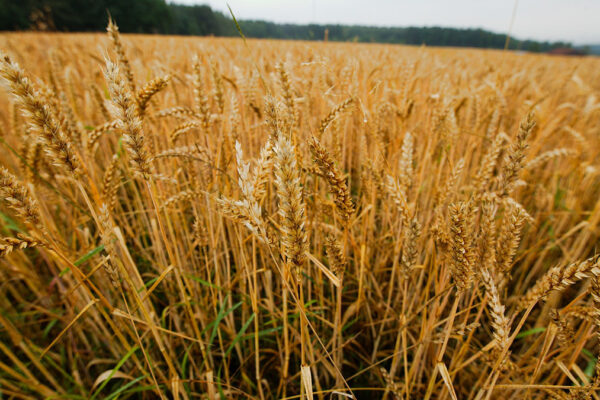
[156, 16]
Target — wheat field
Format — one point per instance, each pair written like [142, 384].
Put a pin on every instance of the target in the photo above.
[216, 218]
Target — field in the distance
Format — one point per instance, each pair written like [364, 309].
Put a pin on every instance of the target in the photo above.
[191, 218]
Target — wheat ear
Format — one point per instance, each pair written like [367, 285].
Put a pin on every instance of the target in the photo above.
[291, 206]
[18, 198]
[461, 259]
[8, 244]
[124, 110]
[150, 89]
[40, 116]
[333, 175]
[513, 163]
[113, 32]
[559, 278]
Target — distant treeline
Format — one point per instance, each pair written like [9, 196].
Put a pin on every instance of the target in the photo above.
[157, 16]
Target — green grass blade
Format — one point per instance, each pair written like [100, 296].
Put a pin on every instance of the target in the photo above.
[530, 332]
[125, 387]
[203, 282]
[222, 314]
[83, 259]
[115, 369]
[238, 337]
[10, 223]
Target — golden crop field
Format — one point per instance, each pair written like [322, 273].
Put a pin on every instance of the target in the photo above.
[203, 218]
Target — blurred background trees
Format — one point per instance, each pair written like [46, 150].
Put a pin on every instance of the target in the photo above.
[157, 16]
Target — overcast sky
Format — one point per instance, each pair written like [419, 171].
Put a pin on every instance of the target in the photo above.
[577, 21]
